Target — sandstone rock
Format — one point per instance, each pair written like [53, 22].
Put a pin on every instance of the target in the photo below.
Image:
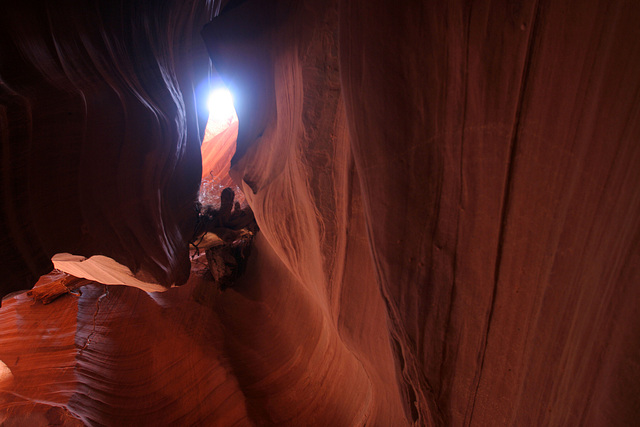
[447, 195]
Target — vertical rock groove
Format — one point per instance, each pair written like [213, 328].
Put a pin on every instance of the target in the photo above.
[506, 200]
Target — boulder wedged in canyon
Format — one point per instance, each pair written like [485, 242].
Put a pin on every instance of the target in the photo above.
[448, 202]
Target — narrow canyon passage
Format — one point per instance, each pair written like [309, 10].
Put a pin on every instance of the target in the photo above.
[437, 220]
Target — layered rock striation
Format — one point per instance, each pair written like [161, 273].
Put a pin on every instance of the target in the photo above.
[447, 195]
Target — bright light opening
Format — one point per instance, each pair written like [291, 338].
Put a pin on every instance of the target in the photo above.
[218, 146]
[220, 104]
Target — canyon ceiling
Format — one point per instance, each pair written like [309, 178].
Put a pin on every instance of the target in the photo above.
[448, 197]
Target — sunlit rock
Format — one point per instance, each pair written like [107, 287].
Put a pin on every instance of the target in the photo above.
[445, 197]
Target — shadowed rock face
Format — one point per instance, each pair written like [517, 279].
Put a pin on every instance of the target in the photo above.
[447, 195]
[100, 134]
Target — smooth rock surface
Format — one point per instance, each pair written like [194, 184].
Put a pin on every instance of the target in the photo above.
[448, 200]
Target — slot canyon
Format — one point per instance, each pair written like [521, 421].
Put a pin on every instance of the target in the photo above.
[432, 215]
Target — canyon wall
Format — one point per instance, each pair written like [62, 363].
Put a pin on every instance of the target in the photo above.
[448, 202]
[101, 134]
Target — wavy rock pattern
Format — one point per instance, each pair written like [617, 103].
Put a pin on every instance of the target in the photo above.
[38, 348]
[447, 195]
[100, 134]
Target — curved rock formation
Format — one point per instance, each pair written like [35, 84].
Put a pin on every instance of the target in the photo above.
[100, 134]
[447, 195]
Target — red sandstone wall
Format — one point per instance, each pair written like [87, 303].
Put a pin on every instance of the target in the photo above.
[448, 201]
[502, 201]
[100, 134]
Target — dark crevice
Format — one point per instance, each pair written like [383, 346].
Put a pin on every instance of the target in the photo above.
[95, 317]
[235, 227]
[506, 198]
[454, 260]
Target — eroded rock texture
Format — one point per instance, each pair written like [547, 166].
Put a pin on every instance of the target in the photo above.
[448, 202]
[99, 133]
